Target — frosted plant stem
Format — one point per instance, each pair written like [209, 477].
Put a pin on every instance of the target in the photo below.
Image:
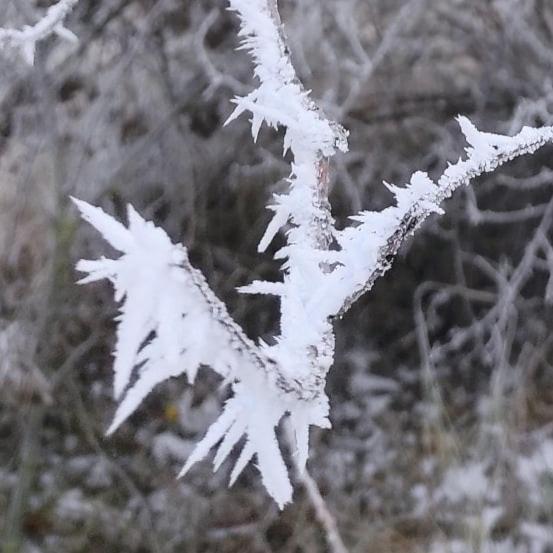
[281, 100]
[26, 39]
[487, 153]
[171, 322]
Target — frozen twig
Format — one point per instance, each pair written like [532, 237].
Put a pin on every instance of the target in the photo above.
[171, 322]
[305, 346]
[26, 39]
[373, 245]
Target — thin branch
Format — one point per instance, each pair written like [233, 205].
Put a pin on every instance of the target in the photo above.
[323, 514]
[281, 100]
[25, 40]
[316, 499]
[29, 460]
[484, 157]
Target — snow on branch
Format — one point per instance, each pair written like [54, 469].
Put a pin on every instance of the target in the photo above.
[25, 40]
[280, 99]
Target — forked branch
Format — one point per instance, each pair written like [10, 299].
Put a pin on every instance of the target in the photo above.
[171, 322]
[26, 39]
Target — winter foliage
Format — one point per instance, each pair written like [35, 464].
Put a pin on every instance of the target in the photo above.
[171, 323]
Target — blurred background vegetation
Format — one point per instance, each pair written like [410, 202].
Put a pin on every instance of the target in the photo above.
[442, 389]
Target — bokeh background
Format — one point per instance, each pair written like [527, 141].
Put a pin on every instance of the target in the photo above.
[442, 388]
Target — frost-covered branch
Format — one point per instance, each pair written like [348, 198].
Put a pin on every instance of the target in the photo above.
[25, 40]
[369, 249]
[305, 346]
[171, 322]
[268, 382]
[280, 100]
